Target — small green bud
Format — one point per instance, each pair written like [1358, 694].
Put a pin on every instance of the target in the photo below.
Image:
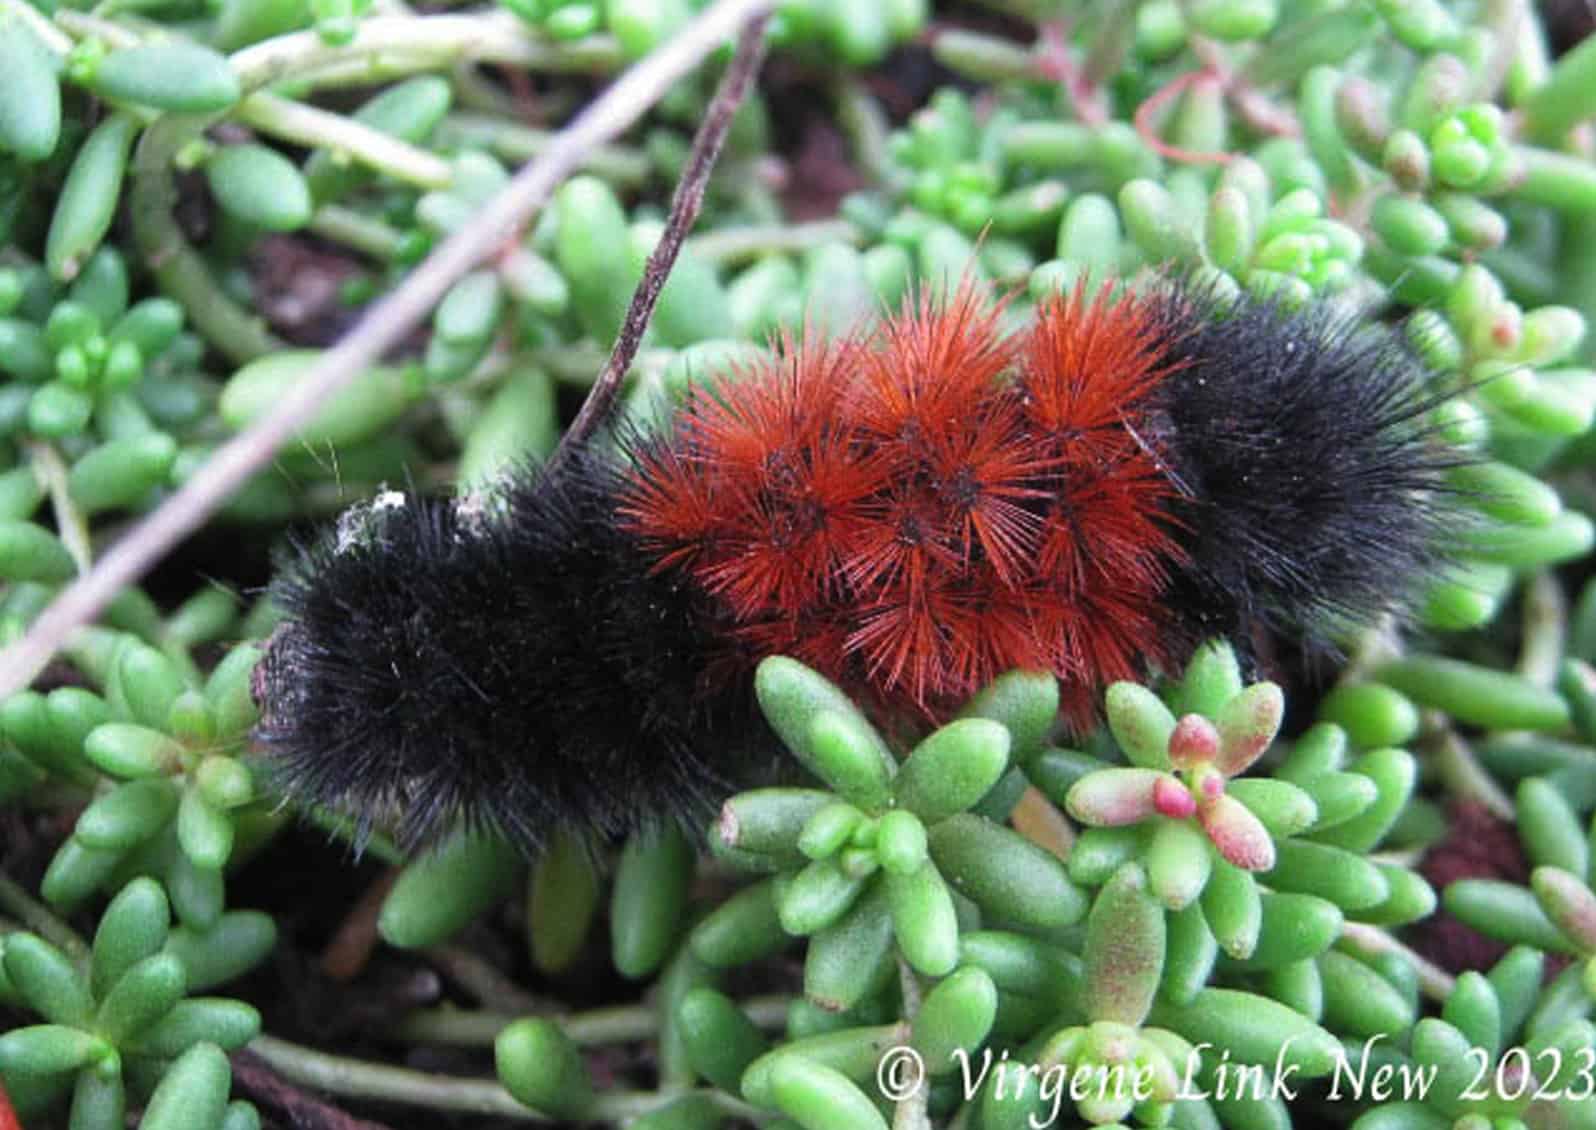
[1125, 940]
[955, 1016]
[1005, 873]
[175, 75]
[127, 815]
[953, 768]
[819, 1097]
[721, 1041]
[193, 1092]
[1141, 724]
[901, 842]
[542, 1068]
[744, 928]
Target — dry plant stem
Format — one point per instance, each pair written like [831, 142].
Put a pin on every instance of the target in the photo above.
[621, 104]
[257, 1081]
[1435, 982]
[685, 203]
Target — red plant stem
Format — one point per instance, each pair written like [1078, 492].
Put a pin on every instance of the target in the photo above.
[1143, 121]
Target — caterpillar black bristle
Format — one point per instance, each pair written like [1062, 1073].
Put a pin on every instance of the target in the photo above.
[910, 510]
[1315, 487]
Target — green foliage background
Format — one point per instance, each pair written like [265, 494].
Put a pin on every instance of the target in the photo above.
[994, 892]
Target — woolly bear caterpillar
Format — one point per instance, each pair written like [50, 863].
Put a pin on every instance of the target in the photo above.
[911, 510]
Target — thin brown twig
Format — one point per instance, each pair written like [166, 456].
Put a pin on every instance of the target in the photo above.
[685, 203]
[260, 1083]
[616, 109]
[351, 946]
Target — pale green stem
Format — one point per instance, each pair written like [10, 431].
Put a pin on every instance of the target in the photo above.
[70, 522]
[46, 31]
[1116, 33]
[1435, 982]
[357, 231]
[37, 917]
[986, 58]
[1545, 626]
[489, 37]
[81, 25]
[517, 143]
[318, 129]
[595, 1028]
[487, 983]
[340, 1075]
[1379, 642]
[580, 364]
[909, 1112]
[1464, 776]
[355, 1078]
[866, 124]
[1509, 24]
[362, 71]
[1404, 857]
[177, 267]
[732, 246]
[474, 92]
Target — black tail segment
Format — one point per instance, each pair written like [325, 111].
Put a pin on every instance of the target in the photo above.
[1313, 485]
[518, 667]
